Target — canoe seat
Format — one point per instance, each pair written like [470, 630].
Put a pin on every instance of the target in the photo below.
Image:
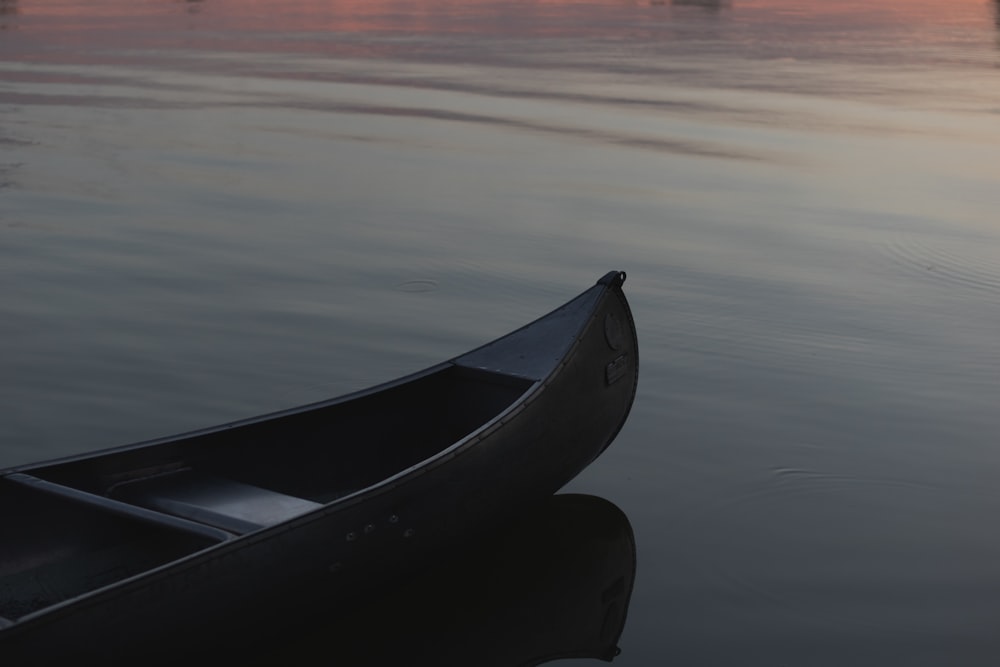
[224, 503]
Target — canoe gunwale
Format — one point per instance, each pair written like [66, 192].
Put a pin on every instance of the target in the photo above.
[317, 405]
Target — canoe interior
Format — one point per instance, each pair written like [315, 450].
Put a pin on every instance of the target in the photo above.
[320, 453]
[53, 549]
[74, 526]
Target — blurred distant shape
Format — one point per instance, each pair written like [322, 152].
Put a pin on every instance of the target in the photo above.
[8, 8]
[710, 5]
[553, 585]
[996, 19]
[192, 6]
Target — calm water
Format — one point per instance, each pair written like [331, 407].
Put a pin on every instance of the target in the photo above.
[217, 208]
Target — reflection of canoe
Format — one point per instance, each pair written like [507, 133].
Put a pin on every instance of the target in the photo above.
[553, 584]
[104, 553]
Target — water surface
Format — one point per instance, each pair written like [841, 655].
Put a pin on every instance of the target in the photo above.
[218, 208]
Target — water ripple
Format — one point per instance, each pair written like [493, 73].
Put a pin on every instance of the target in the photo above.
[954, 263]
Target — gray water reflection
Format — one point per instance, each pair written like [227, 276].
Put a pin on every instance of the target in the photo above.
[209, 215]
[8, 12]
[710, 5]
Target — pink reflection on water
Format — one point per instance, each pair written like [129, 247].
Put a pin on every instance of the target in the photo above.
[88, 31]
[489, 16]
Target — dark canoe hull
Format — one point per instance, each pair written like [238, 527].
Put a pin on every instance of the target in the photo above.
[460, 472]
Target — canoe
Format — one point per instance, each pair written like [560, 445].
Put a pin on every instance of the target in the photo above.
[103, 555]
